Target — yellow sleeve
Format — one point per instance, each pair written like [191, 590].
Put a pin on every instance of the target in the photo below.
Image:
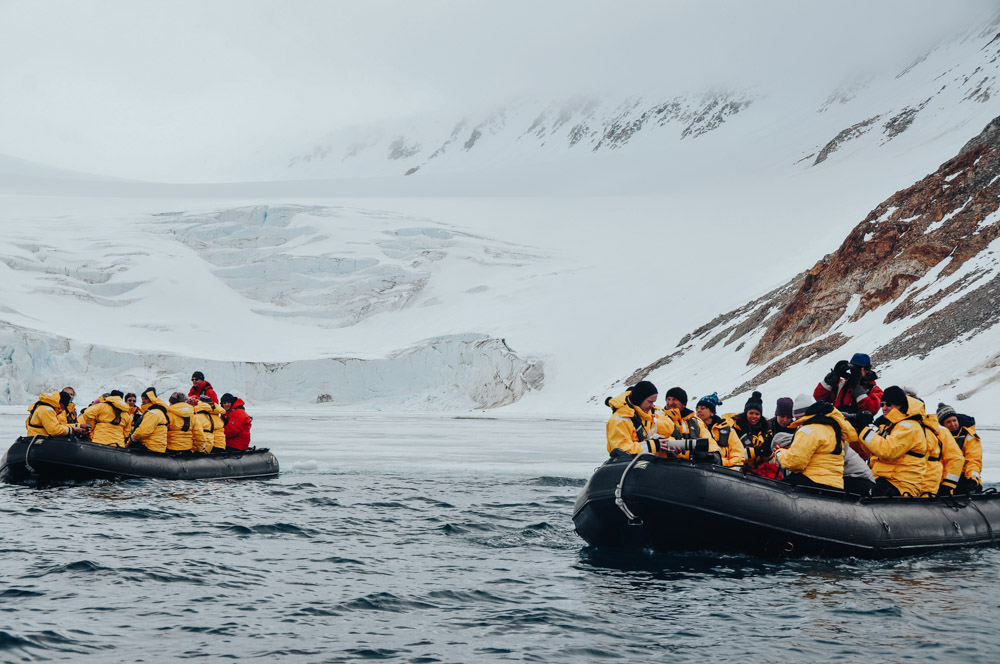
[50, 422]
[147, 426]
[951, 458]
[622, 435]
[736, 454]
[973, 457]
[901, 440]
[796, 457]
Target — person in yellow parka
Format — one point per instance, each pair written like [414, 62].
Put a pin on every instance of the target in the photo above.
[944, 459]
[108, 420]
[44, 416]
[203, 436]
[632, 428]
[722, 432]
[816, 454]
[182, 424]
[677, 420]
[898, 443]
[152, 430]
[218, 424]
[963, 429]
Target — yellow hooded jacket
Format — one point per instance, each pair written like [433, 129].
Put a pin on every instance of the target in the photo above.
[204, 434]
[108, 420]
[628, 427]
[899, 448]
[152, 430]
[43, 417]
[730, 446]
[944, 459]
[219, 427]
[815, 451]
[972, 449]
[182, 426]
[680, 424]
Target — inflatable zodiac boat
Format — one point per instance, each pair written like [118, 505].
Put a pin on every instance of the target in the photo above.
[668, 504]
[61, 459]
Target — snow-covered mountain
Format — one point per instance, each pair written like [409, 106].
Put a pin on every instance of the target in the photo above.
[535, 257]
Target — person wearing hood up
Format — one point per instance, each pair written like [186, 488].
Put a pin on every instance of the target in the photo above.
[963, 429]
[944, 456]
[722, 432]
[898, 444]
[44, 416]
[108, 419]
[816, 454]
[238, 422]
[152, 430]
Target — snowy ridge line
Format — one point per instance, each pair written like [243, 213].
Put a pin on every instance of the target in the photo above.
[457, 372]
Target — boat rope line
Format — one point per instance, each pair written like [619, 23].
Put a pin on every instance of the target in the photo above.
[633, 520]
[27, 464]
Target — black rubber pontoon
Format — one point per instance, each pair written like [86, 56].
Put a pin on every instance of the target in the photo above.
[61, 459]
[672, 505]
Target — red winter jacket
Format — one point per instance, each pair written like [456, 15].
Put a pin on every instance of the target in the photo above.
[843, 400]
[238, 427]
[206, 388]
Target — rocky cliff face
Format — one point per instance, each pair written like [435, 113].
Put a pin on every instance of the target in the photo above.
[923, 265]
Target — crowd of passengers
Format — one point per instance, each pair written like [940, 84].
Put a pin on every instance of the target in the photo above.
[198, 422]
[835, 440]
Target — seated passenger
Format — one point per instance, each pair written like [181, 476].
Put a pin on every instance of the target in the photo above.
[678, 421]
[152, 431]
[181, 424]
[108, 420]
[730, 447]
[218, 425]
[631, 428]
[43, 416]
[133, 411]
[203, 436]
[238, 422]
[68, 413]
[944, 457]
[816, 454]
[752, 428]
[898, 445]
[963, 429]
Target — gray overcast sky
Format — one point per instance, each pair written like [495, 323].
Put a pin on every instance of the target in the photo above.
[107, 85]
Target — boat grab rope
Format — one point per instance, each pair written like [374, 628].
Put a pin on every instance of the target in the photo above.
[27, 465]
[633, 520]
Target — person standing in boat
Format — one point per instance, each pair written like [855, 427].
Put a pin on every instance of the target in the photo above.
[152, 431]
[850, 386]
[108, 419]
[963, 429]
[898, 444]
[238, 422]
[815, 456]
[201, 387]
[44, 416]
[722, 432]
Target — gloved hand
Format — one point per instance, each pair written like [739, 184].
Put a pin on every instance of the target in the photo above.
[853, 378]
[881, 421]
[975, 487]
[945, 490]
[842, 368]
[862, 419]
[870, 377]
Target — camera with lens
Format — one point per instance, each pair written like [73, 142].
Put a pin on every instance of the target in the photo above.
[696, 445]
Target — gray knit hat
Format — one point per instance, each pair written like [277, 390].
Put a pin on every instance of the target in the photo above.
[944, 411]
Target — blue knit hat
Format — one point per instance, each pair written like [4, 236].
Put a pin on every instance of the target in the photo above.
[710, 401]
[861, 360]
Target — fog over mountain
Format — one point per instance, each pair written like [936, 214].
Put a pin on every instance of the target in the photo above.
[468, 206]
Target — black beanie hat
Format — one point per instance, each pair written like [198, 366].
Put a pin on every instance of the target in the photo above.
[755, 402]
[678, 394]
[642, 391]
[895, 396]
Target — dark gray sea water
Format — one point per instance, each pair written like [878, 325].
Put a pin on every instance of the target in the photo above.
[433, 539]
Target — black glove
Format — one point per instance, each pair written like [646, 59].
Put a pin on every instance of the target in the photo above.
[842, 368]
[853, 379]
[881, 421]
[861, 419]
[870, 377]
[975, 487]
[831, 379]
[946, 491]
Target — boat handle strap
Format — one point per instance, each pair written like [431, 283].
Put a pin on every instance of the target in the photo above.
[633, 520]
